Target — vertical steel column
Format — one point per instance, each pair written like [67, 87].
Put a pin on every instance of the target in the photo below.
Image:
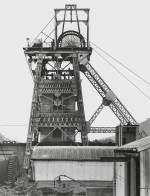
[33, 123]
[80, 100]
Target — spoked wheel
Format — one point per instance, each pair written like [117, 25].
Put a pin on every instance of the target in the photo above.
[71, 39]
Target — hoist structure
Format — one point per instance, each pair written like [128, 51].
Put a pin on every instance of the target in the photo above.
[57, 111]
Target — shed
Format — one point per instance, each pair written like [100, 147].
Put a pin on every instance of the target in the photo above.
[140, 170]
[82, 164]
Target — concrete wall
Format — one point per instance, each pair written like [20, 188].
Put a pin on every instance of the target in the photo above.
[100, 191]
[93, 188]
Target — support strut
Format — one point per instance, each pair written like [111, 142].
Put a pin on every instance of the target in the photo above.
[108, 96]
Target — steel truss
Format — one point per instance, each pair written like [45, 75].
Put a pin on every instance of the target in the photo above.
[102, 130]
[109, 98]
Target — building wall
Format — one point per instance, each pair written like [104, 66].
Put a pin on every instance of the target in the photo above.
[145, 173]
[93, 188]
[133, 183]
[3, 171]
[78, 170]
[17, 148]
[120, 173]
[101, 191]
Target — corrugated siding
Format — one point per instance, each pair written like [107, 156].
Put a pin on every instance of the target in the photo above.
[120, 179]
[87, 170]
[145, 172]
[71, 153]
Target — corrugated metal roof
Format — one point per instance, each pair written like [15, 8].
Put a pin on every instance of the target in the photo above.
[139, 145]
[72, 152]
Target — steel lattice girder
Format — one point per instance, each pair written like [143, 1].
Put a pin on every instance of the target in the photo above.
[116, 106]
[102, 130]
[96, 113]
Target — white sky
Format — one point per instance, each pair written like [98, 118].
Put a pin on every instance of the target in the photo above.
[121, 27]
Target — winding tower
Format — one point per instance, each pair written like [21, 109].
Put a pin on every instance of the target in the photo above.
[57, 111]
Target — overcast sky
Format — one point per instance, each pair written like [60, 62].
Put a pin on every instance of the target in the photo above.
[121, 27]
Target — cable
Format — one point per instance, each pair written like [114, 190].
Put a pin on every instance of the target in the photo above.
[4, 125]
[142, 92]
[43, 29]
[48, 36]
[122, 64]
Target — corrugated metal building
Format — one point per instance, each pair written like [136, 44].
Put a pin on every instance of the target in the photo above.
[139, 170]
[80, 163]
[7, 166]
[8, 149]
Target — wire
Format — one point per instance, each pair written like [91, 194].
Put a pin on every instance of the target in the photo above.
[48, 36]
[43, 29]
[142, 92]
[9, 125]
[122, 64]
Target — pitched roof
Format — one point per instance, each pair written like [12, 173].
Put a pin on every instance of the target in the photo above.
[71, 152]
[138, 145]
